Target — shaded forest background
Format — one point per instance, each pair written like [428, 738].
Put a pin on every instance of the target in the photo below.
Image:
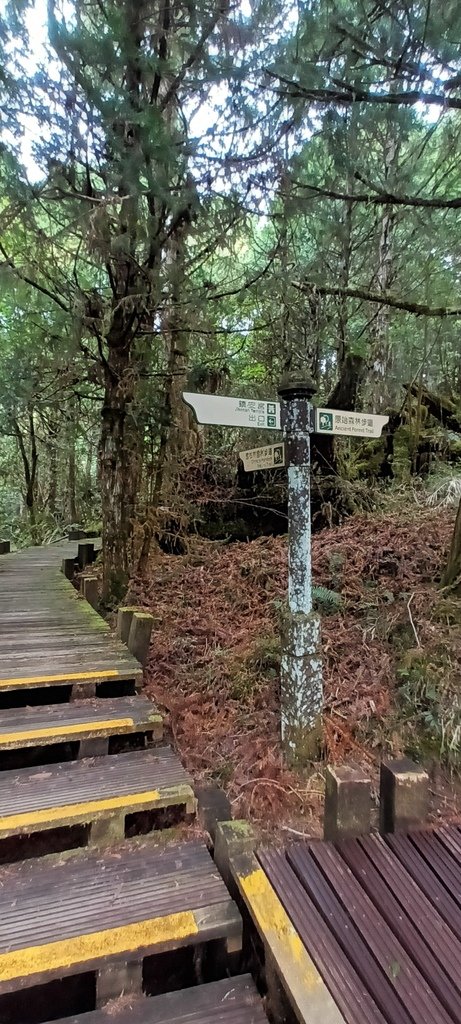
[211, 197]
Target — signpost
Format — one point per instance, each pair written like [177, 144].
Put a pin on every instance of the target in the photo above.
[234, 412]
[350, 424]
[301, 671]
[270, 457]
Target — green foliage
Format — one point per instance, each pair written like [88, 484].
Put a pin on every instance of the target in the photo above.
[326, 601]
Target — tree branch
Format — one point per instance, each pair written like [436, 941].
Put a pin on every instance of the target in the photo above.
[354, 94]
[382, 198]
[417, 308]
[29, 280]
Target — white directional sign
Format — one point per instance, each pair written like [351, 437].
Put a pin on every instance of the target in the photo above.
[351, 424]
[234, 412]
[269, 457]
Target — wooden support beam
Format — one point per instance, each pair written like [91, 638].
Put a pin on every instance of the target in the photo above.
[118, 979]
[404, 796]
[347, 803]
[5, 547]
[139, 636]
[68, 568]
[85, 554]
[89, 587]
[124, 617]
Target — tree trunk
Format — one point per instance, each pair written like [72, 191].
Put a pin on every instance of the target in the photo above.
[119, 466]
[452, 572]
[30, 463]
[381, 347]
[53, 433]
[71, 471]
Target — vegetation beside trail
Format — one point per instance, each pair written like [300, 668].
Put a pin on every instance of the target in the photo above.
[391, 644]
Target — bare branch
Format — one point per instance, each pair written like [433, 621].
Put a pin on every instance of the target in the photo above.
[417, 308]
[382, 198]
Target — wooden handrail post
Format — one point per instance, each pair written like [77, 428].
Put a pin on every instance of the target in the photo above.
[139, 635]
[347, 803]
[404, 796]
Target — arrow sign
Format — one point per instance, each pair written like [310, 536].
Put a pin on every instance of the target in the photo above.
[350, 424]
[269, 457]
[234, 412]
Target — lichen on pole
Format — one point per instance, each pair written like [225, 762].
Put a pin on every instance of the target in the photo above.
[301, 669]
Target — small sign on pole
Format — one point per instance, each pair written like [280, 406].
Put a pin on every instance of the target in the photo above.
[271, 456]
[349, 424]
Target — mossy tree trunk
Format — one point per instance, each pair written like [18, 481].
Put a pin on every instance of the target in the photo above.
[452, 572]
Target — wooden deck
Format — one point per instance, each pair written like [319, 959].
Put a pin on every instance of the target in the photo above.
[50, 636]
[376, 919]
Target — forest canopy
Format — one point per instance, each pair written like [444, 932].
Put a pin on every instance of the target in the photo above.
[211, 197]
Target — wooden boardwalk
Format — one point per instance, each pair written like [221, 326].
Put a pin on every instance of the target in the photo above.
[81, 773]
[364, 931]
[49, 636]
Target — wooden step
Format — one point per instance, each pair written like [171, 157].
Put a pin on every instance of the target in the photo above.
[81, 721]
[106, 913]
[101, 790]
[233, 1001]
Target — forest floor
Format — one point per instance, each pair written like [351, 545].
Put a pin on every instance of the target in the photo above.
[391, 650]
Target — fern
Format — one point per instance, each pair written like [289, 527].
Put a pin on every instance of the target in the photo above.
[326, 600]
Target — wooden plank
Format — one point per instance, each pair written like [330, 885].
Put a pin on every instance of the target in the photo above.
[55, 796]
[129, 904]
[232, 1001]
[81, 720]
[298, 973]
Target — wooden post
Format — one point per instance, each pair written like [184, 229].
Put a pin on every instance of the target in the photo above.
[68, 568]
[5, 547]
[139, 635]
[347, 803]
[124, 617]
[232, 838]
[213, 805]
[85, 554]
[90, 590]
[404, 796]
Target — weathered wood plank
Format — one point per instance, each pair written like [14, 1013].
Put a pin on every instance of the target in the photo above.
[49, 635]
[80, 915]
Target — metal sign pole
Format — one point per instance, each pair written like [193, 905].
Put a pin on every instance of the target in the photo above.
[301, 672]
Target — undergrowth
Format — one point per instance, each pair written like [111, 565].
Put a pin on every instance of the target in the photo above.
[215, 657]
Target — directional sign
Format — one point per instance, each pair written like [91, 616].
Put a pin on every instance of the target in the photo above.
[351, 424]
[269, 457]
[234, 412]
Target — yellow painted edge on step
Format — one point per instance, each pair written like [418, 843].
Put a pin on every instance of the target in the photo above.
[29, 820]
[66, 730]
[272, 919]
[70, 677]
[302, 981]
[67, 953]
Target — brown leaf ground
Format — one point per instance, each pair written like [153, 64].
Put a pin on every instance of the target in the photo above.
[214, 655]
